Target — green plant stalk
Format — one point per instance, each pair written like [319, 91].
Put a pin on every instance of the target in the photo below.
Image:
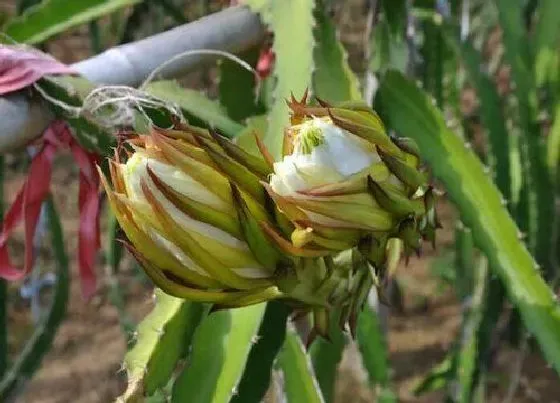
[293, 47]
[466, 363]
[300, 384]
[326, 356]
[540, 201]
[163, 338]
[113, 256]
[50, 17]
[173, 11]
[432, 50]
[72, 91]
[491, 113]
[95, 40]
[373, 349]
[196, 105]
[333, 79]
[258, 371]
[437, 378]
[545, 45]
[220, 351]
[29, 359]
[464, 262]
[237, 87]
[409, 111]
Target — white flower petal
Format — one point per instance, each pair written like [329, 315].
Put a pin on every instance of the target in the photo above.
[251, 272]
[176, 251]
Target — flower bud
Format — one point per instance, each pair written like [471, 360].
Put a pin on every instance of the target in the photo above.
[343, 182]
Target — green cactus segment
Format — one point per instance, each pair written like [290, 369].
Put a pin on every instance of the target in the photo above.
[373, 349]
[291, 22]
[410, 112]
[41, 340]
[466, 368]
[553, 148]
[546, 43]
[237, 87]
[51, 17]
[491, 113]
[436, 379]
[163, 338]
[539, 198]
[196, 105]
[220, 350]
[114, 255]
[464, 262]
[300, 384]
[72, 91]
[333, 80]
[258, 371]
[326, 356]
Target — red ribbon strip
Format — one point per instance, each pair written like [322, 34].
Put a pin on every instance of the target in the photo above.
[27, 207]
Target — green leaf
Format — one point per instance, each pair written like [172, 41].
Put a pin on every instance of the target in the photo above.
[333, 80]
[195, 104]
[257, 375]
[164, 337]
[409, 111]
[300, 384]
[40, 342]
[220, 350]
[291, 22]
[51, 17]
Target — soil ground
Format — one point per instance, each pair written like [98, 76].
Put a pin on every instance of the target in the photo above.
[84, 364]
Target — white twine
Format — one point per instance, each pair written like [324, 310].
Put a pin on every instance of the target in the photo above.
[116, 106]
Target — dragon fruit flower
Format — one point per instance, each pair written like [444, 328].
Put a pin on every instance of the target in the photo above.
[344, 183]
[198, 219]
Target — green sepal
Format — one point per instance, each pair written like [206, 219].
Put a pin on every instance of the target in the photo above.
[369, 128]
[356, 105]
[237, 172]
[259, 243]
[255, 164]
[406, 173]
[374, 250]
[407, 145]
[393, 202]
[410, 236]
